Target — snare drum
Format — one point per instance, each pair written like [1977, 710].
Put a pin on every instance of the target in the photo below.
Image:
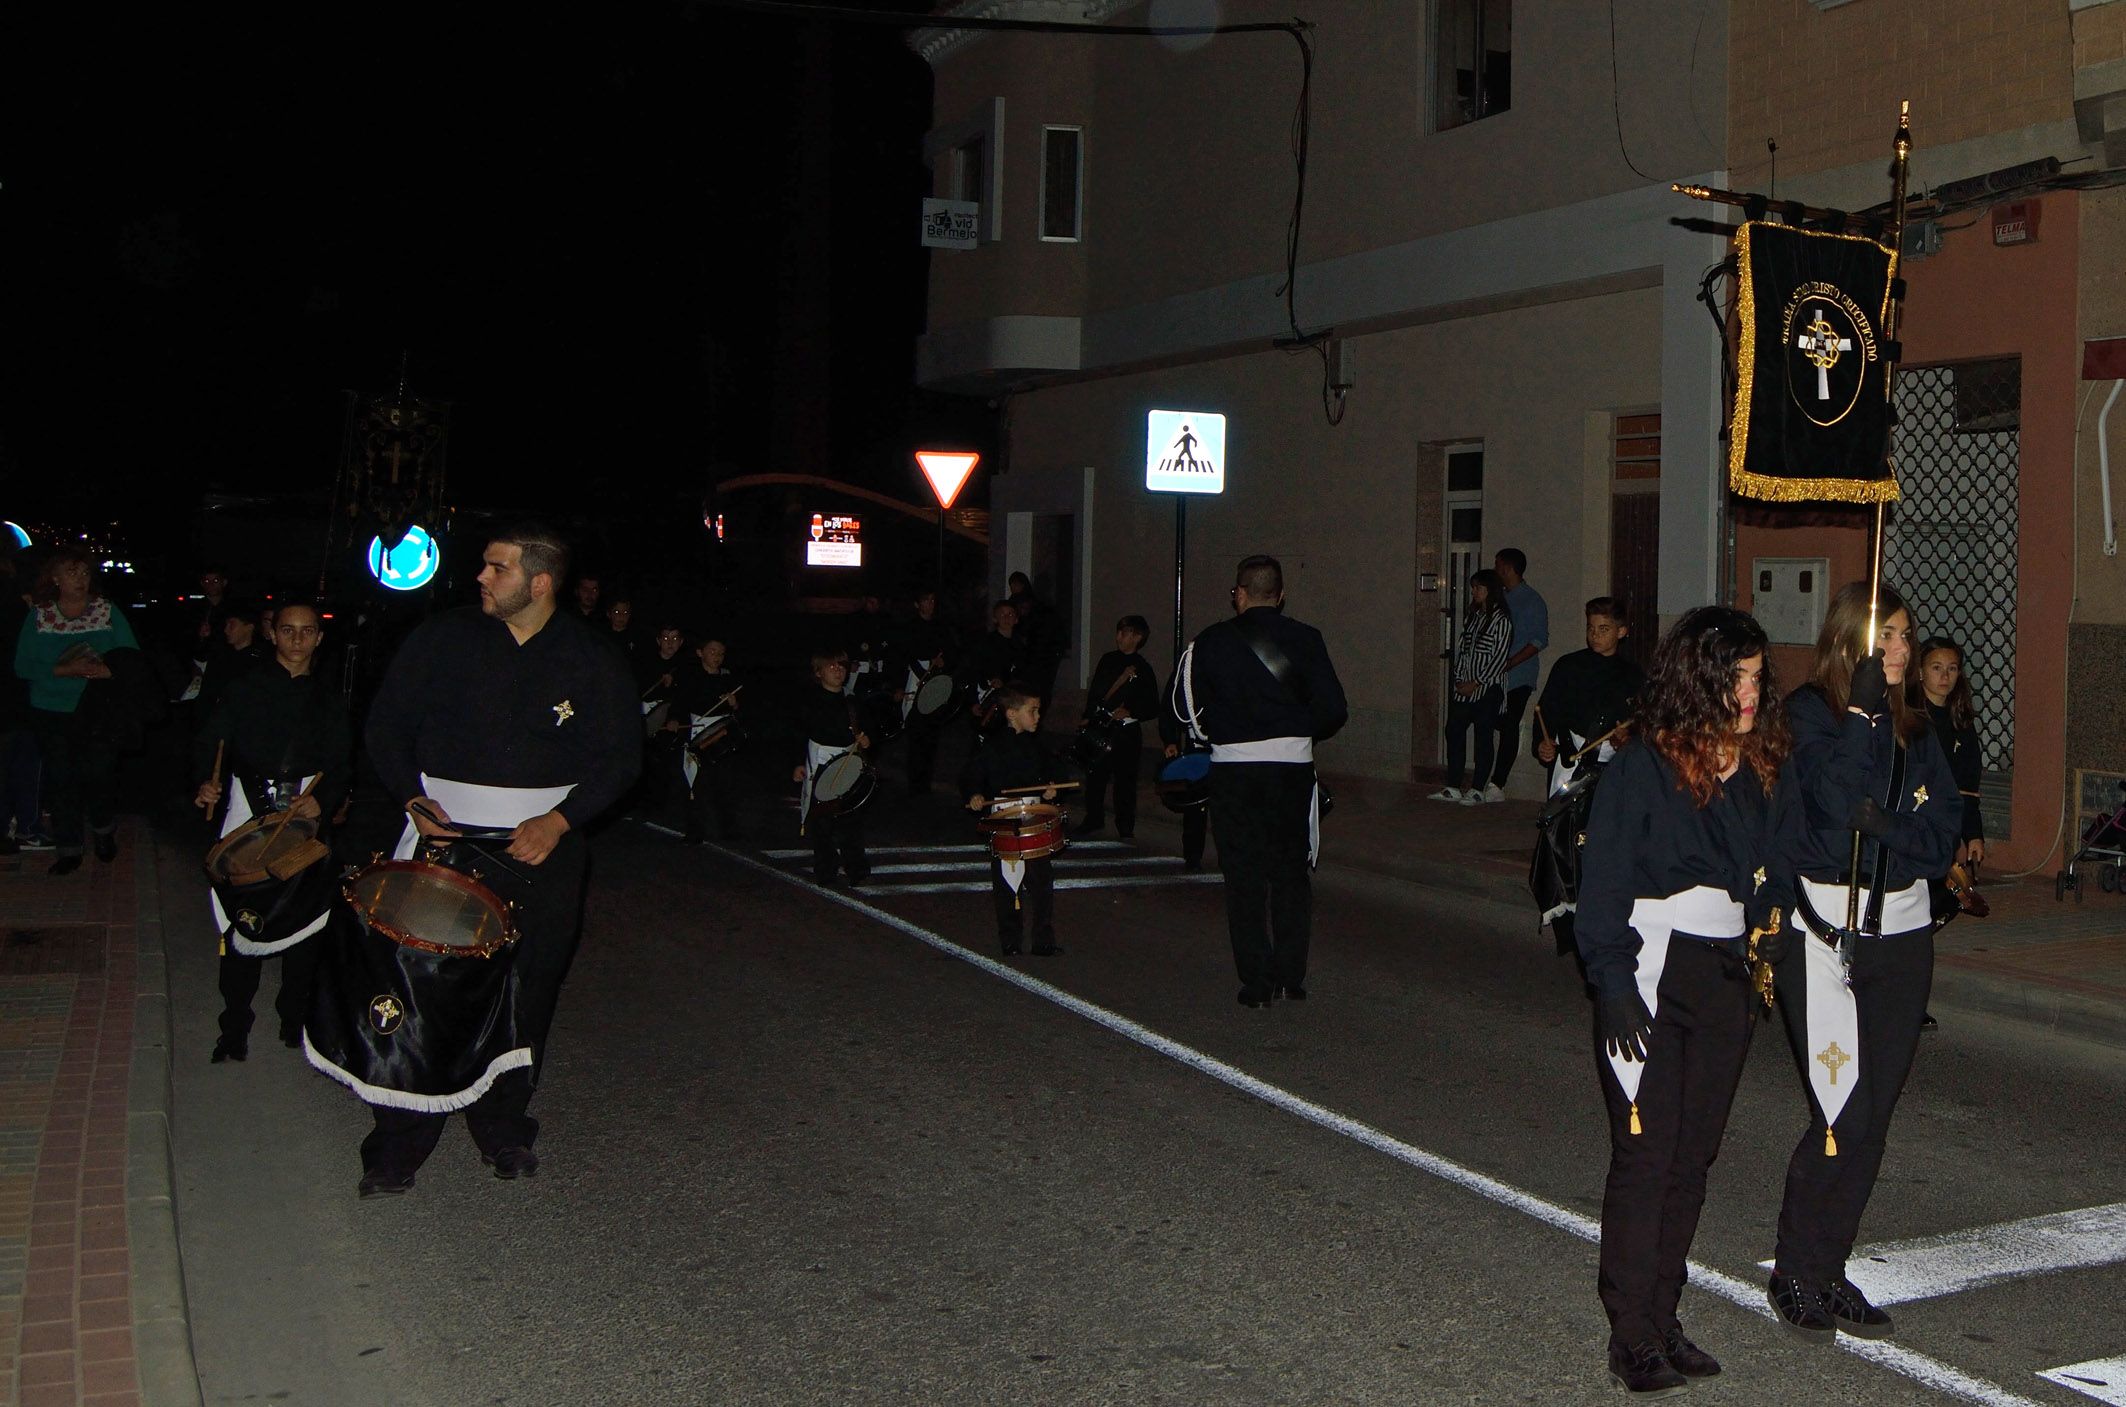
[939, 697]
[273, 879]
[878, 717]
[1095, 740]
[842, 786]
[717, 741]
[416, 995]
[1023, 829]
[1185, 782]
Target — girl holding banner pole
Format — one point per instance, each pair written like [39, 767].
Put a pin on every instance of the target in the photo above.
[1864, 761]
[1680, 896]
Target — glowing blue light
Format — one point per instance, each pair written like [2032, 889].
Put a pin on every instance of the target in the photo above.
[22, 539]
[409, 566]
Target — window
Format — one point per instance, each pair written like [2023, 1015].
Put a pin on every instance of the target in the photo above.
[964, 164]
[1472, 61]
[967, 170]
[1062, 183]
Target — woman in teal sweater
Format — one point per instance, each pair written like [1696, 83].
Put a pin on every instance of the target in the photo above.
[61, 648]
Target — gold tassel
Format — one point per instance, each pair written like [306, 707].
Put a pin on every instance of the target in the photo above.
[1830, 1142]
[1635, 1118]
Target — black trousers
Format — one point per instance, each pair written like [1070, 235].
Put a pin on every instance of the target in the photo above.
[711, 793]
[1034, 904]
[922, 752]
[239, 980]
[1123, 765]
[1656, 1185]
[838, 838]
[550, 920]
[1509, 733]
[1825, 1196]
[1480, 713]
[1259, 812]
[1195, 829]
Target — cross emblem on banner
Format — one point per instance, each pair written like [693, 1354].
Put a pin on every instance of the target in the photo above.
[1821, 344]
[1833, 1059]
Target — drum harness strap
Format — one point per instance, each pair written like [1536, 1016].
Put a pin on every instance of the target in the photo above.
[1280, 667]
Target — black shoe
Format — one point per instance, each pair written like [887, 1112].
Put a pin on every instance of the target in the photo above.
[1686, 1357]
[1252, 997]
[230, 1048]
[863, 877]
[65, 864]
[1011, 950]
[512, 1163]
[378, 1183]
[1091, 827]
[1192, 866]
[1292, 994]
[1853, 1312]
[1643, 1370]
[1048, 952]
[106, 846]
[1928, 1023]
[1801, 1306]
[1127, 835]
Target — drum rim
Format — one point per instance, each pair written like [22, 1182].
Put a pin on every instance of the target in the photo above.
[455, 878]
[221, 846]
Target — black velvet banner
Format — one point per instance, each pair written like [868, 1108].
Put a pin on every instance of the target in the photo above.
[1810, 420]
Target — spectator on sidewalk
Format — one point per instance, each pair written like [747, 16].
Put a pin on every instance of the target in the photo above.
[20, 770]
[1479, 664]
[61, 648]
[1531, 636]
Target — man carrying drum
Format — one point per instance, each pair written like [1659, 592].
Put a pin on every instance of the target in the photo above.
[512, 717]
[284, 733]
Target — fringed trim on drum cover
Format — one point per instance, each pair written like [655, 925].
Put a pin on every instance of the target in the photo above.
[266, 950]
[517, 1059]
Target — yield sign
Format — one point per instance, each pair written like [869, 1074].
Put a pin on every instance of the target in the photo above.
[947, 471]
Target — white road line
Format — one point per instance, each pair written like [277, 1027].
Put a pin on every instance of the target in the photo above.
[981, 886]
[1928, 1267]
[981, 866]
[2101, 1378]
[1930, 1372]
[979, 850]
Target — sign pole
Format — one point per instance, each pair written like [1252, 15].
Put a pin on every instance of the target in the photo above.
[941, 557]
[1180, 566]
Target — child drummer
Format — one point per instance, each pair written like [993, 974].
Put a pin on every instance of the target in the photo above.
[1015, 761]
[828, 718]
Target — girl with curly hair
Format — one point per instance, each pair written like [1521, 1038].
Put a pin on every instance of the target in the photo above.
[1680, 867]
[1853, 997]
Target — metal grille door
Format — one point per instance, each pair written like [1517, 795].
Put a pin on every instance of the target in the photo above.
[1951, 546]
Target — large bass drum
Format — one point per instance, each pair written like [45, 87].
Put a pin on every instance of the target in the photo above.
[273, 878]
[1561, 832]
[415, 1005]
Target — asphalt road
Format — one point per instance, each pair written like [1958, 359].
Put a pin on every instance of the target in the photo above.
[803, 1148]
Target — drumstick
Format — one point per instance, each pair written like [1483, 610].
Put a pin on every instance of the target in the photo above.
[289, 814]
[1029, 791]
[725, 699]
[214, 776]
[1575, 758]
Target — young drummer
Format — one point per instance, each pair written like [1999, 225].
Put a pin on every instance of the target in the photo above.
[1015, 759]
[707, 696]
[828, 718]
[1864, 760]
[1122, 694]
[1588, 694]
[996, 659]
[1681, 865]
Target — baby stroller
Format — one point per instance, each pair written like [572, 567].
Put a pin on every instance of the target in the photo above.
[2104, 844]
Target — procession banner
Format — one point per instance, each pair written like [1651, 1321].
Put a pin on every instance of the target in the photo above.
[1811, 420]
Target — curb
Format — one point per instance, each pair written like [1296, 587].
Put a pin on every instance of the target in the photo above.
[162, 1330]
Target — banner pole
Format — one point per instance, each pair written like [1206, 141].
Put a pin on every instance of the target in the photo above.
[1900, 171]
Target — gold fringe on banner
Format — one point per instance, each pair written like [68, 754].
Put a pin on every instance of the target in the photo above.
[1766, 486]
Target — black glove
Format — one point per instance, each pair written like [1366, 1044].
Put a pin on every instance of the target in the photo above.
[1624, 1024]
[1870, 819]
[1771, 945]
[1870, 690]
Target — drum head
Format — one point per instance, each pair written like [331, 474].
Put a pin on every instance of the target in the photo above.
[429, 906]
[936, 695]
[246, 853]
[838, 778]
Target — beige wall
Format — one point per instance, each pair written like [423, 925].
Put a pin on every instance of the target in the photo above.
[1826, 83]
[1190, 175]
[1340, 505]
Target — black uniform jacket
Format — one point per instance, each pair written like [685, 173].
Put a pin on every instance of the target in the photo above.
[699, 690]
[1961, 745]
[278, 724]
[999, 657]
[224, 667]
[1240, 701]
[1648, 839]
[921, 641]
[823, 715]
[651, 668]
[1840, 758]
[1140, 695]
[1010, 759]
[464, 700]
[1589, 694]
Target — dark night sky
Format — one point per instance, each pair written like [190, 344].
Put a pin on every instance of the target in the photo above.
[571, 219]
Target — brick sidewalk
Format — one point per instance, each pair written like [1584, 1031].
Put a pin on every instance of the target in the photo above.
[68, 986]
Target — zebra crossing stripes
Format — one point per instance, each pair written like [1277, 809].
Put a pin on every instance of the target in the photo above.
[2101, 1378]
[964, 869]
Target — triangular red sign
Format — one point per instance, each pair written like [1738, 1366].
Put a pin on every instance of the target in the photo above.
[947, 471]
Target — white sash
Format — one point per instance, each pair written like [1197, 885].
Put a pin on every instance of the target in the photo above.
[817, 755]
[238, 812]
[478, 805]
[1833, 1026]
[1704, 911]
[697, 724]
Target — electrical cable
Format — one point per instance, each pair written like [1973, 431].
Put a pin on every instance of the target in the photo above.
[1616, 102]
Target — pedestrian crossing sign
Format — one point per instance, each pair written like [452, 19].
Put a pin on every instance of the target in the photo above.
[1184, 452]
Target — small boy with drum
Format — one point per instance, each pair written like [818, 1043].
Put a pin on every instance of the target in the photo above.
[1014, 760]
[828, 718]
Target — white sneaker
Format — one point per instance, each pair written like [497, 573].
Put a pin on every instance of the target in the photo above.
[1491, 793]
[1472, 797]
[1446, 794]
